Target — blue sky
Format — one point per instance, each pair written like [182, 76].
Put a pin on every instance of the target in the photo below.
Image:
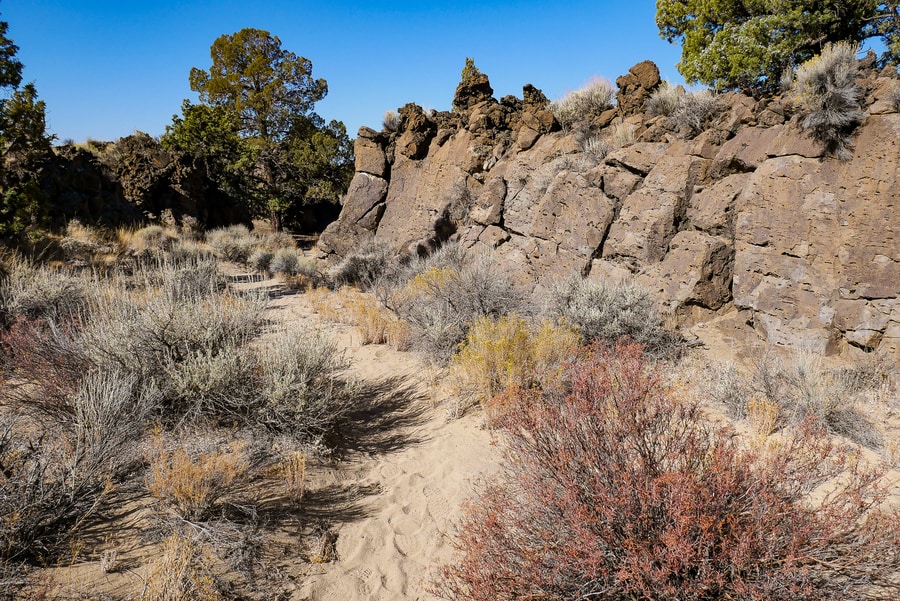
[106, 68]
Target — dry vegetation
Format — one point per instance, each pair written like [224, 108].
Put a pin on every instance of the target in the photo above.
[152, 378]
[151, 382]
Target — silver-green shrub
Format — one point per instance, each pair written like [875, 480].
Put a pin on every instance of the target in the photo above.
[285, 261]
[664, 100]
[261, 260]
[302, 385]
[828, 96]
[233, 243]
[583, 104]
[610, 312]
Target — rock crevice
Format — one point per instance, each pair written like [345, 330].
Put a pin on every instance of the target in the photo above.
[748, 213]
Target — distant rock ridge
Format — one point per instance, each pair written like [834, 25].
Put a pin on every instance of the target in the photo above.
[746, 214]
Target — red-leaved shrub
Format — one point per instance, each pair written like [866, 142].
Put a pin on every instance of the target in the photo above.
[614, 490]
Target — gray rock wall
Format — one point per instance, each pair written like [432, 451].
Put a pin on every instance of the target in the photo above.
[748, 214]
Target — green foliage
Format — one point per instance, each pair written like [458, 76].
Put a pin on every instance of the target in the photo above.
[24, 144]
[263, 84]
[256, 129]
[315, 164]
[744, 45]
[212, 134]
[469, 70]
[10, 66]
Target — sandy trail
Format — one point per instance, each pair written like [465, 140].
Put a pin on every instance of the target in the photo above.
[410, 482]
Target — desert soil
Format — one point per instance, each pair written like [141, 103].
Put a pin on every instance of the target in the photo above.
[410, 486]
[389, 499]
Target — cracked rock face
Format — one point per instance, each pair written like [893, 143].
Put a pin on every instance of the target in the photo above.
[748, 214]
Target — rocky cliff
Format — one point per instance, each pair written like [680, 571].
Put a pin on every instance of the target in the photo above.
[742, 213]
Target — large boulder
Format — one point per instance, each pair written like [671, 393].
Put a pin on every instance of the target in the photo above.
[418, 131]
[635, 88]
[369, 152]
[473, 89]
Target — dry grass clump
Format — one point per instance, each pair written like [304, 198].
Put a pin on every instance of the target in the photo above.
[194, 485]
[613, 489]
[292, 471]
[181, 572]
[664, 100]
[622, 135]
[689, 111]
[376, 323]
[596, 148]
[775, 395]
[501, 353]
[829, 99]
[583, 104]
[82, 242]
[426, 304]
[694, 110]
[608, 313]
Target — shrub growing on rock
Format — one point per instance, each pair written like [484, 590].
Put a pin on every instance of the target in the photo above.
[664, 100]
[612, 489]
[693, 110]
[826, 91]
[391, 121]
[583, 104]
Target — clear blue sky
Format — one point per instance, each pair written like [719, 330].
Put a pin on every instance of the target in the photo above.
[108, 67]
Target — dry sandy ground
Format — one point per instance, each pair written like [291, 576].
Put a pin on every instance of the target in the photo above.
[393, 500]
[403, 529]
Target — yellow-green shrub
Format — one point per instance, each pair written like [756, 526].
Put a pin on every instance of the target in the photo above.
[505, 352]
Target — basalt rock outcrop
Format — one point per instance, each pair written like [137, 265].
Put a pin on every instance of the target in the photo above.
[132, 180]
[746, 215]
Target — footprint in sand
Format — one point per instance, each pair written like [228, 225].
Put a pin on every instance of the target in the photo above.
[404, 524]
[436, 504]
[389, 471]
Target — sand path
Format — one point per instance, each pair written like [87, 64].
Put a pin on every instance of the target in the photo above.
[407, 486]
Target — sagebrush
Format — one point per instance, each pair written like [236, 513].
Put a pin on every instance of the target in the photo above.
[826, 91]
